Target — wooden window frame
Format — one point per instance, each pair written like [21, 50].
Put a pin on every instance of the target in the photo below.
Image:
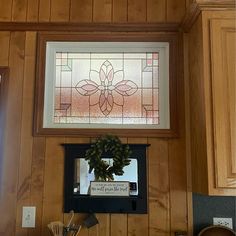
[43, 37]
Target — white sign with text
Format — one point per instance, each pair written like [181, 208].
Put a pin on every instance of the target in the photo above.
[109, 188]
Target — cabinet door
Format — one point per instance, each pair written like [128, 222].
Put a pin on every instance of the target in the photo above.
[223, 59]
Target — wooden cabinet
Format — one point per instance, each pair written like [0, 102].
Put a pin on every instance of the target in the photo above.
[212, 100]
[223, 40]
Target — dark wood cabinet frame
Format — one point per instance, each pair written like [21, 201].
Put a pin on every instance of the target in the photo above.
[173, 38]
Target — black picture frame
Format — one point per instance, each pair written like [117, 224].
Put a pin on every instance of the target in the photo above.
[94, 204]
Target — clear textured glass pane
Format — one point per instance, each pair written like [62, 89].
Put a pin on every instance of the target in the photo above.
[113, 88]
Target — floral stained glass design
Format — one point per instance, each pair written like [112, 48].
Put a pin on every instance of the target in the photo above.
[108, 88]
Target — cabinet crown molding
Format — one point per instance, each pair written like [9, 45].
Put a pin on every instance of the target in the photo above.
[198, 6]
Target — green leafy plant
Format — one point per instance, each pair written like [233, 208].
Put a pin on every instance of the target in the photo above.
[119, 152]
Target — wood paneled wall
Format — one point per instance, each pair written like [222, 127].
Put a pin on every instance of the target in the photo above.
[33, 166]
[93, 10]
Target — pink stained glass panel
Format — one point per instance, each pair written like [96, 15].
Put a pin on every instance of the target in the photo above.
[106, 88]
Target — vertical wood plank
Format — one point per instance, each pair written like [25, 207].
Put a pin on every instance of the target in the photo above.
[53, 182]
[156, 10]
[4, 59]
[19, 10]
[188, 135]
[23, 192]
[188, 3]
[37, 183]
[178, 185]
[137, 10]
[44, 10]
[5, 10]
[81, 11]
[197, 107]
[119, 225]
[60, 10]
[175, 10]
[120, 10]
[13, 134]
[93, 231]
[33, 10]
[138, 223]
[177, 159]
[104, 224]
[4, 52]
[4, 78]
[103, 228]
[102, 10]
[159, 207]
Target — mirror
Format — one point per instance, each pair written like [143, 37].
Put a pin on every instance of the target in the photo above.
[82, 176]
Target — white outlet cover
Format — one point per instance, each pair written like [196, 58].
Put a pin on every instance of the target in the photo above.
[28, 216]
[227, 222]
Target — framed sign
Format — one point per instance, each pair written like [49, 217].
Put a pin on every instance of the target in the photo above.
[92, 84]
[109, 188]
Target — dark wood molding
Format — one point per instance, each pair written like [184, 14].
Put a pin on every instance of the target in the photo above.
[89, 27]
[216, 4]
[190, 17]
[4, 81]
[4, 72]
[197, 7]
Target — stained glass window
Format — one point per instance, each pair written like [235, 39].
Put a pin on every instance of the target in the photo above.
[108, 86]
[116, 88]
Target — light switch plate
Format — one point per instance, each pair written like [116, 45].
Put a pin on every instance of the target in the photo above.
[28, 216]
[227, 222]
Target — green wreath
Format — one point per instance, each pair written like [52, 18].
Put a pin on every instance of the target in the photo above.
[120, 154]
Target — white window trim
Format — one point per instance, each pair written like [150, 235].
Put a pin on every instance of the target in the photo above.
[50, 76]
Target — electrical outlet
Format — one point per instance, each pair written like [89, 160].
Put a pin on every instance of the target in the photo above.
[227, 222]
[28, 217]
